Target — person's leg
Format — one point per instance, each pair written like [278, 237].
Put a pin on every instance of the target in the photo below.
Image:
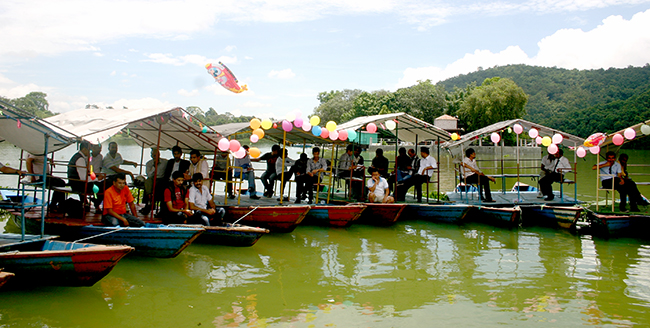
[310, 186]
[371, 197]
[419, 179]
[199, 218]
[546, 186]
[272, 178]
[485, 182]
[265, 181]
[474, 179]
[110, 220]
[634, 194]
[133, 221]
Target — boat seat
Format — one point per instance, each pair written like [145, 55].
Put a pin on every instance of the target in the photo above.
[607, 190]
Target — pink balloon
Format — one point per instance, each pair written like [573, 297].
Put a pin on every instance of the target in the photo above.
[594, 150]
[93, 176]
[254, 138]
[334, 135]
[223, 144]
[306, 126]
[552, 149]
[581, 152]
[618, 139]
[495, 137]
[298, 122]
[240, 153]
[629, 133]
[538, 140]
[343, 134]
[533, 133]
[287, 126]
[557, 138]
[518, 128]
[371, 127]
[324, 133]
[234, 145]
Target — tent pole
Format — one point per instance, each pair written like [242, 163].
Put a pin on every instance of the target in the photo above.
[284, 157]
[155, 174]
[329, 186]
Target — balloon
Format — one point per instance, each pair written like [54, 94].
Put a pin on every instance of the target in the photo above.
[254, 152]
[538, 140]
[557, 138]
[93, 176]
[324, 133]
[255, 124]
[266, 124]
[391, 125]
[306, 126]
[594, 150]
[552, 149]
[533, 133]
[352, 135]
[298, 114]
[240, 153]
[275, 125]
[546, 141]
[371, 127]
[629, 133]
[287, 126]
[314, 120]
[330, 126]
[618, 139]
[254, 138]
[581, 152]
[205, 129]
[334, 135]
[595, 139]
[343, 135]
[316, 130]
[645, 129]
[95, 189]
[224, 76]
[518, 128]
[223, 144]
[455, 136]
[290, 116]
[234, 145]
[259, 133]
[495, 137]
[298, 122]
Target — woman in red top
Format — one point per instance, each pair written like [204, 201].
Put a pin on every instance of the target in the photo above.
[175, 209]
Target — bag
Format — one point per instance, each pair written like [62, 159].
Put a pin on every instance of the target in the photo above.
[73, 208]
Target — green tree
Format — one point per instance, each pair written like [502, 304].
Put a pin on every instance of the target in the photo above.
[424, 100]
[334, 104]
[33, 103]
[497, 99]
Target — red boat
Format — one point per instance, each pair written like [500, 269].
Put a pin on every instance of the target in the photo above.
[334, 215]
[274, 218]
[381, 214]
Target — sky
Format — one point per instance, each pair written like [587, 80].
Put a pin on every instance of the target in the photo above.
[152, 54]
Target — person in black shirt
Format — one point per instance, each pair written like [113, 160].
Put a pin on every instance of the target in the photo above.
[380, 163]
[302, 178]
[269, 176]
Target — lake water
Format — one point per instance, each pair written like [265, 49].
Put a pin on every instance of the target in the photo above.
[413, 274]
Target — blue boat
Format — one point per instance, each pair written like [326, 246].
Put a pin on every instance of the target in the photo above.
[50, 262]
[153, 240]
[447, 213]
[618, 225]
[230, 235]
[502, 217]
[565, 217]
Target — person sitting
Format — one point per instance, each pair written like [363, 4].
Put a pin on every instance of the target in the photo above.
[288, 173]
[176, 163]
[403, 165]
[175, 210]
[547, 163]
[611, 173]
[378, 188]
[472, 174]
[345, 163]
[155, 170]
[34, 165]
[115, 199]
[221, 171]
[631, 188]
[198, 164]
[315, 168]
[553, 172]
[200, 201]
[248, 173]
[358, 172]
[269, 176]
[79, 177]
[427, 165]
[302, 178]
[112, 161]
[380, 163]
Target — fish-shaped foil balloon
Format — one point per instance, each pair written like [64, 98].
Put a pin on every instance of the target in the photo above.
[595, 139]
[224, 76]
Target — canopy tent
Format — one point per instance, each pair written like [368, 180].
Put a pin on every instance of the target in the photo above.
[29, 133]
[568, 140]
[165, 127]
[409, 128]
[637, 131]
[293, 137]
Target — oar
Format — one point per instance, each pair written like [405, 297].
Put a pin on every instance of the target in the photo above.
[245, 215]
[99, 235]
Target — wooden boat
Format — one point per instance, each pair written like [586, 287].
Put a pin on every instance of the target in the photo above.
[60, 263]
[552, 216]
[229, 235]
[380, 214]
[448, 213]
[505, 217]
[274, 218]
[334, 215]
[154, 240]
[615, 225]
[4, 276]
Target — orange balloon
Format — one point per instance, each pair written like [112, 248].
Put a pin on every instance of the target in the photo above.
[255, 124]
[259, 133]
[254, 152]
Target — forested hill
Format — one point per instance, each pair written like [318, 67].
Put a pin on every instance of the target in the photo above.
[576, 101]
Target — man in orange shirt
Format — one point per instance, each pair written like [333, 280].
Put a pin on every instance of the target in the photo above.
[115, 200]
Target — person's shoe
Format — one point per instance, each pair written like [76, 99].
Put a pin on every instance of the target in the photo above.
[268, 195]
[540, 196]
[489, 201]
[253, 196]
[145, 210]
[549, 198]
[231, 196]
[297, 201]
[310, 201]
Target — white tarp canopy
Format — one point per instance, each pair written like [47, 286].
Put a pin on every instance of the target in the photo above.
[409, 128]
[568, 140]
[30, 133]
[173, 126]
[637, 131]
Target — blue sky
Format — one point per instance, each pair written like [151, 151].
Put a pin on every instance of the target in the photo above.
[152, 53]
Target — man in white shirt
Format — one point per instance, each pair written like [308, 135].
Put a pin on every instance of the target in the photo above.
[112, 161]
[198, 165]
[611, 172]
[155, 170]
[378, 188]
[248, 174]
[553, 172]
[546, 167]
[472, 174]
[428, 165]
[201, 202]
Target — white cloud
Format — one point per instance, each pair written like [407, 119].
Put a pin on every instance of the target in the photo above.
[230, 48]
[113, 73]
[169, 59]
[283, 74]
[615, 43]
[186, 93]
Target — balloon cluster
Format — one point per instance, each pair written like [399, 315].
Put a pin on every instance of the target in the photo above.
[235, 147]
[550, 142]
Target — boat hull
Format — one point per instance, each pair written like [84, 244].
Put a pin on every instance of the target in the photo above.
[238, 235]
[152, 240]
[333, 215]
[619, 225]
[61, 263]
[381, 214]
[437, 213]
[552, 216]
[274, 218]
[503, 217]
